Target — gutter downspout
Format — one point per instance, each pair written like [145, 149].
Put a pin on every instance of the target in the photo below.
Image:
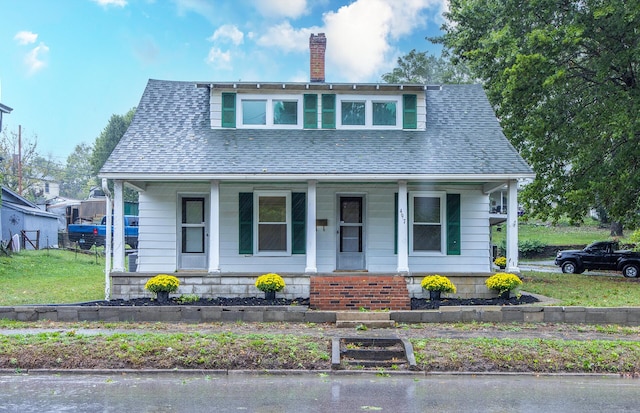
[107, 241]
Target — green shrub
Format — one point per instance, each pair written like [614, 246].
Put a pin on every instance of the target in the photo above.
[634, 238]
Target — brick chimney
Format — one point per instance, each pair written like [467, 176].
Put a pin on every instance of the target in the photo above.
[317, 46]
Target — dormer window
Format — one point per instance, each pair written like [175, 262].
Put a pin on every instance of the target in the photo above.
[316, 111]
[269, 111]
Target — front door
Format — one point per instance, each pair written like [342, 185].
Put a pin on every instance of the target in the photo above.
[351, 246]
[192, 234]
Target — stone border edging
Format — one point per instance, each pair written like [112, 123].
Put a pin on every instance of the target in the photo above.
[281, 372]
[301, 314]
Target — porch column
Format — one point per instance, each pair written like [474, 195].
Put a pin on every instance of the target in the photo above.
[214, 228]
[512, 227]
[118, 227]
[312, 266]
[403, 230]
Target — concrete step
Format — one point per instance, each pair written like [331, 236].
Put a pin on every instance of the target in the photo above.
[366, 323]
[362, 316]
[372, 353]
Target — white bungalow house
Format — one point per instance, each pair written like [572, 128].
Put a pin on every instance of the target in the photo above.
[308, 179]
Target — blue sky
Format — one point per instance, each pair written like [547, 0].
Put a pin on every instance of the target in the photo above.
[67, 65]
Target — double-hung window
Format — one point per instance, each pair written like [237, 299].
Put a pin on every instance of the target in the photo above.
[272, 222]
[369, 111]
[427, 222]
[260, 111]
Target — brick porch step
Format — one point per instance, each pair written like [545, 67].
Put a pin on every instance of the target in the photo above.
[359, 291]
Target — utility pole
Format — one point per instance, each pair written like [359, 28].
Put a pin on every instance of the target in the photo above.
[20, 160]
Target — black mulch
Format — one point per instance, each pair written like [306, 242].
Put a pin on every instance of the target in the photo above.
[425, 304]
[416, 303]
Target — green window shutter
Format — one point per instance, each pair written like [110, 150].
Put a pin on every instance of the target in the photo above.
[328, 111]
[298, 223]
[395, 223]
[410, 111]
[228, 110]
[310, 111]
[453, 224]
[245, 209]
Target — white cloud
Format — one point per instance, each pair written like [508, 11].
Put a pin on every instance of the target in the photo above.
[35, 58]
[218, 58]
[286, 38]
[204, 8]
[25, 37]
[360, 35]
[228, 32]
[282, 8]
[106, 3]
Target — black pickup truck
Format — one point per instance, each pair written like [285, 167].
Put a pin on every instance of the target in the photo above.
[602, 255]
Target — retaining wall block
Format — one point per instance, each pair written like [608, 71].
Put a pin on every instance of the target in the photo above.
[67, 314]
[616, 316]
[490, 316]
[109, 314]
[210, 314]
[574, 315]
[553, 314]
[406, 316]
[88, 314]
[191, 314]
[231, 315]
[454, 316]
[470, 315]
[511, 314]
[320, 317]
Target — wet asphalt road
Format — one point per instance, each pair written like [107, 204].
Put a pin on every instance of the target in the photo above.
[177, 392]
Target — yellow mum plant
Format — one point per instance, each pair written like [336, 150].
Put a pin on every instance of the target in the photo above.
[500, 261]
[162, 282]
[270, 283]
[438, 283]
[503, 282]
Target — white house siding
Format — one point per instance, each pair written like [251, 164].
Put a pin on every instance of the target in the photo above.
[158, 218]
[157, 232]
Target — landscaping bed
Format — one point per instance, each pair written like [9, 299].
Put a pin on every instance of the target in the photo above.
[416, 303]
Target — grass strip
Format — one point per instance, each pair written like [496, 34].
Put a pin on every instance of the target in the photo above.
[153, 350]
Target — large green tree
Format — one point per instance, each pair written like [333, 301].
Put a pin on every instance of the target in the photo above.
[563, 77]
[109, 138]
[420, 67]
[106, 143]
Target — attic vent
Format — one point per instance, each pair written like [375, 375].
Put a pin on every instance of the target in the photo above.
[434, 87]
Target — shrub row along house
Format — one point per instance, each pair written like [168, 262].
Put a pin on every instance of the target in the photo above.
[311, 180]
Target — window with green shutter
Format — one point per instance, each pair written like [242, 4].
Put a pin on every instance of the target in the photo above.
[410, 111]
[298, 223]
[453, 224]
[245, 214]
[228, 110]
[310, 104]
[328, 111]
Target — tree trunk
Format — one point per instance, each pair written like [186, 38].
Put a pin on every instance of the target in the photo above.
[616, 230]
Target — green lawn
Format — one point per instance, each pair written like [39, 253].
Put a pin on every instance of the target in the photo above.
[51, 277]
[584, 289]
[554, 235]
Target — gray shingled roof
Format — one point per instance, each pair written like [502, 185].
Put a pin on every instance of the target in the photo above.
[171, 134]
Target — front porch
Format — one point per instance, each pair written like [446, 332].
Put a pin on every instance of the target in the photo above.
[128, 285]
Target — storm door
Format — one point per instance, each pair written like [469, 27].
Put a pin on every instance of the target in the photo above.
[351, 246]
[192, 234]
